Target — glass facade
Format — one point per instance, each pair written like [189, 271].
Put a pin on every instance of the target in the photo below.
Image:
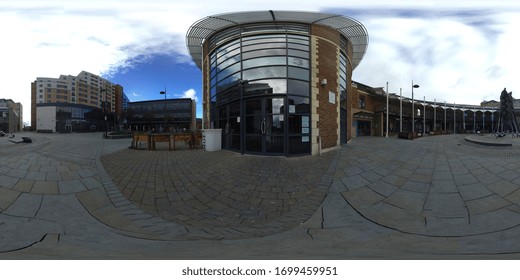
[260, 89]
[169, 115]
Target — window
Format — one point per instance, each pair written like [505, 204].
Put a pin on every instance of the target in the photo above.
[362, 102]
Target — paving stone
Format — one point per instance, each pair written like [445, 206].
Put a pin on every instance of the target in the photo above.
[410, 201]
[503, 187]
[486, 204]
[27, 205]
[474, 191]
[8, 181]
[24, 185]
[73, 186]
[446, 205]
[468, 179]
[44, 187]
[7, 197]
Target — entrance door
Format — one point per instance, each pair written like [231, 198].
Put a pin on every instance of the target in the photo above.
[229, 118]
[265, 126]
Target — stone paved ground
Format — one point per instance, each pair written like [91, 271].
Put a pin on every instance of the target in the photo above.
[80, 196]
[221, 194]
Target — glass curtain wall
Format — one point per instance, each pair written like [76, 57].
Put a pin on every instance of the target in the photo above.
[260, 90]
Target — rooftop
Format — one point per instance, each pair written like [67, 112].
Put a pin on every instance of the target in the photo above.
[352, 29]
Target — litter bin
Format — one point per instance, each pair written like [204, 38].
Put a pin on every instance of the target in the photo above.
[212, 139]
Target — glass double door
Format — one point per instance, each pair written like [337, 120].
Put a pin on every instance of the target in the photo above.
[264, 125]
[256, 126]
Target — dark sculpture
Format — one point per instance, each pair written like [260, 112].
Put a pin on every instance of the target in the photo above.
[507, 123]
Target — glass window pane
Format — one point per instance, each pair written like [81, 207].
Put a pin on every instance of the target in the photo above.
[299, 145]
[274, 124]
[227, 48]
[262, 39]
[300, 62]
[264, 72]
[264, 61]
[297, 37]
[228, 71]
[253, 106]
[265, 87]
[299, 73]
[259, 53]
[275, 106]
[228, 81]
[298, 53]
[299, 47]
[263, 46]
[298, 88]
[228, 55]
[274, 144]
[228, 62]
[232, 93]
[299, 105]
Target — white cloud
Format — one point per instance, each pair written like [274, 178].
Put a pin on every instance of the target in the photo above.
[191, 93]
[464, 59]
[452, 58]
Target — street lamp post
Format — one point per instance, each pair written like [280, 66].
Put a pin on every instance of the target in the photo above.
[445, 129]
[413, 112]
[164, 116]
[103, 90]
[401, 110]
[387, 109]
[424, 116]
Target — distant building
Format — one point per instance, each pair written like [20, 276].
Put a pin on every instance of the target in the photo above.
[85, 102]
[11, 113]
[163, 115]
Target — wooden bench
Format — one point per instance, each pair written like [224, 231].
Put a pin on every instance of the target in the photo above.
[187, 138]
[137, 139]
[161, 138]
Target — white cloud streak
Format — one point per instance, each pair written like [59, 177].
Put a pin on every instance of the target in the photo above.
[453, 50]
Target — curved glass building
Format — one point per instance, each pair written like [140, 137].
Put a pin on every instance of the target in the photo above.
[277, 82]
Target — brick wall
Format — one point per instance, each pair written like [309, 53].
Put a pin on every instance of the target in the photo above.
[327, 57]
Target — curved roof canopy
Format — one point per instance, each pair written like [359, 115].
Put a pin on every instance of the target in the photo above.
[204, 28]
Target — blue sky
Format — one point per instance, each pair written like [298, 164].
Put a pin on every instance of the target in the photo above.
[457, 51]
[146, 79]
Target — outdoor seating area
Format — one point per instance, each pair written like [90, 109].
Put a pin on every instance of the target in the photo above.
[149, 141]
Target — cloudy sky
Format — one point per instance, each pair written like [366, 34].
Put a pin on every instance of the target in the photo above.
[457, 51]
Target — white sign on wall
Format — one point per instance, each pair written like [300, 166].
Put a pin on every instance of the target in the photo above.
[332, 97]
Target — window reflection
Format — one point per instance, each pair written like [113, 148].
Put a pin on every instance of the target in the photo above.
[275, 106]
[264, 72]
[272, 52]
[298, 87]
[300, 62]
[299, 73]
[263, 46]
[264, 61]
[299, 105]
[265, 86]
[228, 71]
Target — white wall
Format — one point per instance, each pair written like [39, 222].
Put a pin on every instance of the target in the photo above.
[46, 118]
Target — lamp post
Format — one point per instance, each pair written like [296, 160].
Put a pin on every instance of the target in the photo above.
[401, 110]
[387, 109]
[164, 116]
[424, 116]
[103, 90]
[434, 115]
[413, 109]
[445, 116]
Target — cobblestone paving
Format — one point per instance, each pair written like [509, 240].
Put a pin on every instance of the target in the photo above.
[433, 186]
[80, 196]
[221, 194]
